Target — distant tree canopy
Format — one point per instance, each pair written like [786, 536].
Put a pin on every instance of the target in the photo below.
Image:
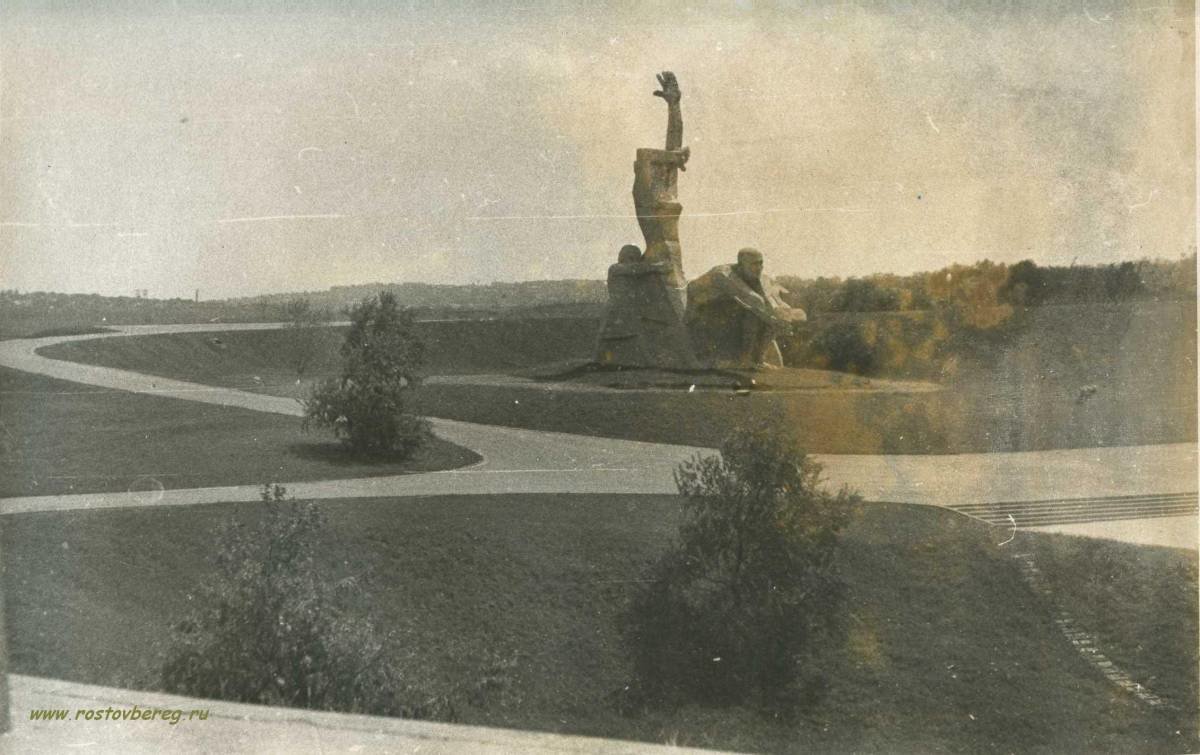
[1023, 284]
[1031, 285]
[865, 295]
[968, 314]
[989, 283]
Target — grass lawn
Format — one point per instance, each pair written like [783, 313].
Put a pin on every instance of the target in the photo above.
[234, 358]
[1088, 577]
[59, 437]
[948, 649]
[827, 421]
[1030, 400]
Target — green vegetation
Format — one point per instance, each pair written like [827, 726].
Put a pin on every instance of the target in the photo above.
[843, 346]
[736, 611]
[1024, 284]
[508, 605]
[1089, 576]
[267, 627]
[368, 406]
[1029, 284]
[1028, 396]
[258, 360]
[515, 598]
[931, 325]
[137, 442]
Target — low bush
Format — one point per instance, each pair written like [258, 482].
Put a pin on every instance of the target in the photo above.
[272, 627]
[843, 347]
[741, 607]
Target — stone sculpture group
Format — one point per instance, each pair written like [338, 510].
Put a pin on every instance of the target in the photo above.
[728, 317]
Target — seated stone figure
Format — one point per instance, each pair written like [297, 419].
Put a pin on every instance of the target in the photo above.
[734, 313]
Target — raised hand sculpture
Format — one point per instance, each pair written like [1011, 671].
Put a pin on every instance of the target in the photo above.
[655, 177]
[671, 94]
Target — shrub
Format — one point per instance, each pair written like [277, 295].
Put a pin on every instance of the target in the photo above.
[272, 628]
[843, 347]
[367, 405]
[742, 603]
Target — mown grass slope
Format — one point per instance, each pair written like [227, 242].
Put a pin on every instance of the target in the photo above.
[508, 603]
[58, 437]
[1067, 377]
[235, 358]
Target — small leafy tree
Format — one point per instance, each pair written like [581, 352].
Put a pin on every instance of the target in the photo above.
[271, 627]
[736, 609]
[368, 405]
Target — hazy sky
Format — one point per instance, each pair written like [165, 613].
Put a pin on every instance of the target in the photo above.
[203, 145]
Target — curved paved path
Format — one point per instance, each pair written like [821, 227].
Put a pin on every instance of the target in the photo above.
[527, 461]
[1039, 487]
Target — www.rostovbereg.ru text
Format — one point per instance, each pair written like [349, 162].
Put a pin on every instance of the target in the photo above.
[136, 713]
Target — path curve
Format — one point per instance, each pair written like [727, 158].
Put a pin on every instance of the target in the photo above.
[533, 461]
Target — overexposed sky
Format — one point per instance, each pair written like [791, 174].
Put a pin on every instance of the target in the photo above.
[175, 146]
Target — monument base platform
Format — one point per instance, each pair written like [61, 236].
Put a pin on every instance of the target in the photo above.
[776, 379]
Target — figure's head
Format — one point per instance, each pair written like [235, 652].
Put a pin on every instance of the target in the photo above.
[629, 253]
[750, 264]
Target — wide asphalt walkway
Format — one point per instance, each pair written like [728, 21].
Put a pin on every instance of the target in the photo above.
[1150, 489]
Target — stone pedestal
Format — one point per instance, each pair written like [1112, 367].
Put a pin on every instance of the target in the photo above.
[642, 327]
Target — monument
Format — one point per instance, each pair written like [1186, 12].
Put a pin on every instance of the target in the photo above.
[727, 318]
[647, 292]
[734, 313]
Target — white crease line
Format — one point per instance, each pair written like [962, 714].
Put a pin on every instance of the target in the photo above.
[779, 210]
[265, 218]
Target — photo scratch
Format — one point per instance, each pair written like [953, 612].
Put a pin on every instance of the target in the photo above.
[273, 218]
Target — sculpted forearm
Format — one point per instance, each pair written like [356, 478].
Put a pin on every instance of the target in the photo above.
[671, 93]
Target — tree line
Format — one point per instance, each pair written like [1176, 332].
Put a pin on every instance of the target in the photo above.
[1025, 283]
